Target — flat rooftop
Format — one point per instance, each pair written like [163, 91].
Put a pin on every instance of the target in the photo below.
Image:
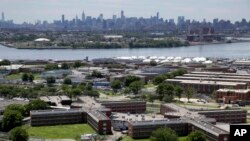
[219, 73]
[234, 90]
[136, 117]
[5, 102]
[97, 115]
[196, 119]
[123, 101]
[89, 102]
[55, 111]
[213, 79]
[183, 81]
[217, 76]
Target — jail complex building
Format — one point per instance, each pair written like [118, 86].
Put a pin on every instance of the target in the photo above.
[183, 121]
[96, 114]
[230, 88]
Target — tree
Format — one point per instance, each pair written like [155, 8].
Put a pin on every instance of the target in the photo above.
[76, 92]
[178, 91]
[19, 134]
[25, 77]
[116, 85]
[190, 92]
[36, 105]
[96, 74]
[16, 107]
[5, 62]
[168, 98]
[151, 98]
[11, 119]
[89, 87]
[153, 63]
[164, 134]
[127, 91]
[51, 80]
[31, 77]
[159, 79]
[65, 66]
[92, 93]
[179, 72]
[136, 86]
[196, 136]
[51, 67]
[67, 81]
[77, 64]
[129, 79]
[165, 89]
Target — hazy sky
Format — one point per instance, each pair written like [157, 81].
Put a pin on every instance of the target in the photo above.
[32, 10]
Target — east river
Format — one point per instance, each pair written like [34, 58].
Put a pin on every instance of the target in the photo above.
[234, 50]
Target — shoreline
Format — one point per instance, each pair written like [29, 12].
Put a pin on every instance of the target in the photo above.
[71, 48]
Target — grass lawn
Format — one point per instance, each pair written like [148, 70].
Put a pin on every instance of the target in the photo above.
[248, 120]
[150, 85]
[19, 76]
[14, 76]
[182, 138]
[60, 131]
[246, 108]
[127, 138]
[198, 105]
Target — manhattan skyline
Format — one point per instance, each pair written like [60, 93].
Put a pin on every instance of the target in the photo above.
[50, 10]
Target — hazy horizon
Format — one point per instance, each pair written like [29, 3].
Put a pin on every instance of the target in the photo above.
[30, 10]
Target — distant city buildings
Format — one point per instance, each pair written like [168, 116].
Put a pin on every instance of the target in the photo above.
[123, 23]
[3, 18]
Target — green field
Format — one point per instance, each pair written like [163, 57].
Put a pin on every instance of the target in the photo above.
[198, 105]
[246, 107]
[248, 120]
[127, 138]
[60, 131]
[19, 76]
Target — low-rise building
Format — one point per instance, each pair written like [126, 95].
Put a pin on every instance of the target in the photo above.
[226, 116]
[57, 117]
[100, 122]
[207, 87]
[233, 96]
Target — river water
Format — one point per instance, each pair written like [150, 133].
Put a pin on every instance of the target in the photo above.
[234, 50]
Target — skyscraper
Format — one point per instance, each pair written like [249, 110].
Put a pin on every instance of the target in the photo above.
[101, 17]
[181, 20]
[122, 15]
[114, 18]
[83, 16]
[63, 18]
[76, 17]
[157, 15]
[3, 19]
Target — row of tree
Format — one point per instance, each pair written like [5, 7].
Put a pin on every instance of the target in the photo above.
[27, 77]
[166, 92]
[14, 113]
[131, 83]
[5, 62]
[80, 89]
[64, 65]
[167, 134]
[157, 43]
[161, 78]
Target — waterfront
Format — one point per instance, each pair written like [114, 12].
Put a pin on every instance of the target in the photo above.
[234, 50]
